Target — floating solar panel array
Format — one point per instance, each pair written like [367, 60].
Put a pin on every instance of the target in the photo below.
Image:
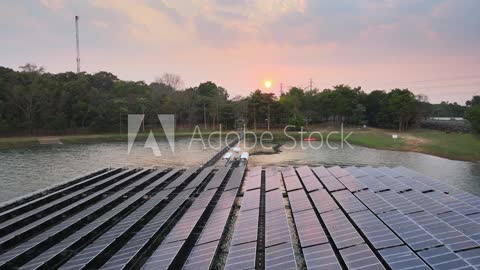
[231, 217]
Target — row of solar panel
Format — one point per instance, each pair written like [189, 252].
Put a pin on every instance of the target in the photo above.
[370, 214]
[424, 223]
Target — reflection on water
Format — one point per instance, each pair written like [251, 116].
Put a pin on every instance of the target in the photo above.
[27, 170]
[464, 175]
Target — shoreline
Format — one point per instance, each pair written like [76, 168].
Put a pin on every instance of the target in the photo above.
[454, 146]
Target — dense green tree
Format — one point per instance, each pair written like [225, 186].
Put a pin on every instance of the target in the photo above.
[472, 114]
[35, 101]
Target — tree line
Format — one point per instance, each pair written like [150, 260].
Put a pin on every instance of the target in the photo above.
[34, 101]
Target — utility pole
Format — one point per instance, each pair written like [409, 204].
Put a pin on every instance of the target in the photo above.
[311, 84]
[78, 44]
[281, 89]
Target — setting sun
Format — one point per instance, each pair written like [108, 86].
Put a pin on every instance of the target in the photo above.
[267, 84]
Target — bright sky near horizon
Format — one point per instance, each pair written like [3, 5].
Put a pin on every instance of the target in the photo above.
[428, 46]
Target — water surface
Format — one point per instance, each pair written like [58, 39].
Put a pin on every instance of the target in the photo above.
[461, 174]
[26, 170]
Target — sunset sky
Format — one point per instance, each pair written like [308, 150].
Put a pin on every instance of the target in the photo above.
[430, 46]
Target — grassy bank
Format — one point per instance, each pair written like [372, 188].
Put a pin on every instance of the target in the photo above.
[456, 146]
[453, 146]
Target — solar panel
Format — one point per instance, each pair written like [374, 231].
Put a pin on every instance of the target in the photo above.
[288, 171]
[201, 256]
[273, 200]
[351, 183]
[321, 171]
[242, 256]
[253, 181]
[348, 201]
[401, 257]
[375, 230]
[236, 178]
[17, 208]
[374, 202]
[292, 182]
[272, 179]
[321, 257]
[342, 231]
[251, 200]
[323, 201]
[154, 226]
[357, 172]
[246, 228]
[163, 257]
[399, 202]
[471, 256]
[410, 232]
[48, 220]
[255, 171]
[304, 171]
[218, 178]
[360, 257]
[338, 171]
[375, 217]
[63, 202]
[373, 183]
[309, 229]
[199, 179]
[82, 216]
[299, 201]
[276, 228]
[331, 183]
[443, 258]
[280, 257]
[311, 183]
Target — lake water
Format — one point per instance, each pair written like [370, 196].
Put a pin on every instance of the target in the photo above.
[461, 174]
[26, 170]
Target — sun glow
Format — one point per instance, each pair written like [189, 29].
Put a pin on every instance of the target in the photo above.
[267, 84]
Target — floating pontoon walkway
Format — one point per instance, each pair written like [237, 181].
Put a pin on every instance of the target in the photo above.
[237, 218]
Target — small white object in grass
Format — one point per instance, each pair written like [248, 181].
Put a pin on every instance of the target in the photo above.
[395, 136]
[228, 155]
[364, 126]
[236, 149]
[244, 155]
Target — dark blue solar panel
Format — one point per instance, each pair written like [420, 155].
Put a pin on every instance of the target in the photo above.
[375, 230]
[360, 257]
[348, 201]
[321, 257]
[401, 257]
